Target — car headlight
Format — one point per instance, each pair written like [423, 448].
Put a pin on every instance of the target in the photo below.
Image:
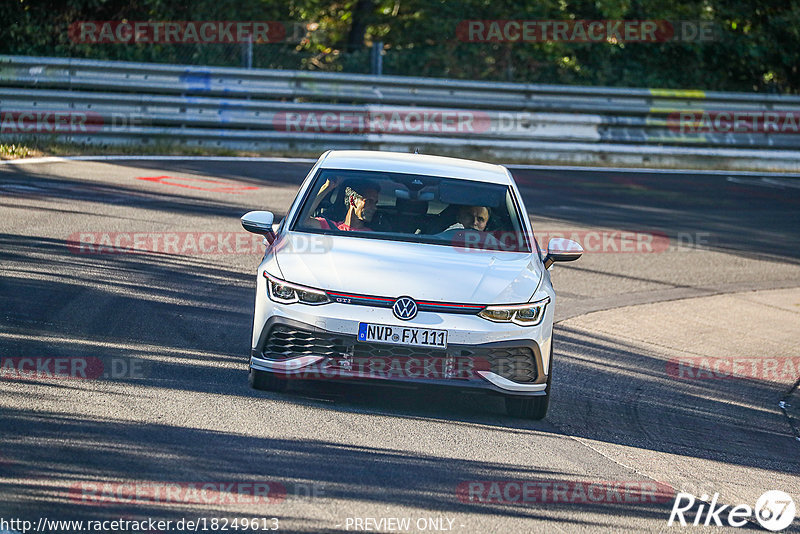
[529, 314]
[286, 293]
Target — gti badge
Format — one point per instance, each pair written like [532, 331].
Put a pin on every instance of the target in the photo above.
[405, 308]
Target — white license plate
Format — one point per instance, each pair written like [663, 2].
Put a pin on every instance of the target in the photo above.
[403, 335]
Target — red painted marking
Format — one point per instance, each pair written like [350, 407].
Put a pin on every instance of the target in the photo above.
[223, 186]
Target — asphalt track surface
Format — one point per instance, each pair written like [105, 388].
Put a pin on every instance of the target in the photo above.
[342, 452]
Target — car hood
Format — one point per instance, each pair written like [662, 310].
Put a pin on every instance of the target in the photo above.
[421, 271]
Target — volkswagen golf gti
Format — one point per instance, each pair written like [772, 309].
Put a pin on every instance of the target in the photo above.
[407, 268]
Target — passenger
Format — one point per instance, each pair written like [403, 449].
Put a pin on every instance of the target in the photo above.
[361, 201]
[410, 215]
[471, 218]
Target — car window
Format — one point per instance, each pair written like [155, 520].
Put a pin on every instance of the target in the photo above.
[413, 208]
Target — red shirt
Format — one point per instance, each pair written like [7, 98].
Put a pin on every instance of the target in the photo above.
[341, 226]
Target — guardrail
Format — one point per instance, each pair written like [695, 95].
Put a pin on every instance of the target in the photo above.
[113, 103]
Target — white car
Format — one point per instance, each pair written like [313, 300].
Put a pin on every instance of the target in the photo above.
[407, 268]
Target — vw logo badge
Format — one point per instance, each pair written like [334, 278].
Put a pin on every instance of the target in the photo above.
[405, 308]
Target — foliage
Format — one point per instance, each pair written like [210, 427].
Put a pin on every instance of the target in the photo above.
[756, 45]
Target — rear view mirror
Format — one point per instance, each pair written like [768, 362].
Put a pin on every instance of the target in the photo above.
[259, 222]
[560, 249]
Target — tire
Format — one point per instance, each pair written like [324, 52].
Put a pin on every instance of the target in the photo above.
[531, 407]
[265, 381]
[528, 407]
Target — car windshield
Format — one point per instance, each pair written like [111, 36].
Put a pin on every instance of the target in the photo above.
[413, 208]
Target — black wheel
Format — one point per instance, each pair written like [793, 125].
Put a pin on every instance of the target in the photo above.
[265, 381]
[531, 407]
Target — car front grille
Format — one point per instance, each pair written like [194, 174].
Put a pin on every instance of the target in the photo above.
[517, 364]
[284, 342]
[514, 363]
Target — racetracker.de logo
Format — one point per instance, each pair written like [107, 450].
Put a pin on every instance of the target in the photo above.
[397, 368]
[261, 492]
[584, 31]
[430, 121]
[611, 241]
[182, 243]
[190, 243]
[71, 367]
[563, 492]
[592, 241]
[36, 122]
[767, 122]
[774, 369]
[175, 32]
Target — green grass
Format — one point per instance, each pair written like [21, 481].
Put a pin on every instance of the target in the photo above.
[15, 151]
[37, 149]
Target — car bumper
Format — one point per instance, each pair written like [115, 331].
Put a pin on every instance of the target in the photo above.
[319, 342]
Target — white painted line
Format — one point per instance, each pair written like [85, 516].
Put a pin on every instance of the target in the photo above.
[765, 182]
[650, 170]
[782, 183]
[190, 158]
[23, 161]
[57, 159]
[640, 170]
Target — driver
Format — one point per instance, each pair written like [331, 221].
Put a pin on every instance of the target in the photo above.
[362, 203]
[471, 218]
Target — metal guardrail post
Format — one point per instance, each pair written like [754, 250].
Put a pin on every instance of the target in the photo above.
[376, 58]
[247, 52]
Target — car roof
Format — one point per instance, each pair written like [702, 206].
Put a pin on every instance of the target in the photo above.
[372, 160]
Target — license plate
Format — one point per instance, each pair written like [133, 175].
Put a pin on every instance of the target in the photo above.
[403, 335]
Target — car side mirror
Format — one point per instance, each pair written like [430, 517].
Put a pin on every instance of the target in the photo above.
[259, 222]
[560, 249]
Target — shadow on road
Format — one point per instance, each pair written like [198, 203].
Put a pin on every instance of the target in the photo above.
[189, 318]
